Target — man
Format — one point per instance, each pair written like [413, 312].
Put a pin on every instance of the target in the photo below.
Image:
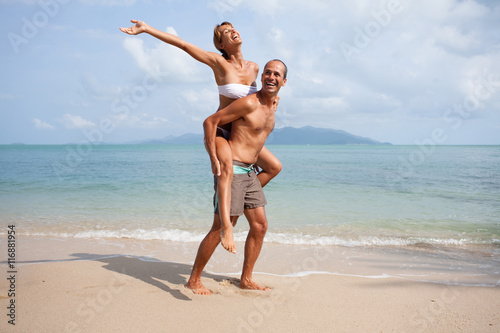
[252, 119]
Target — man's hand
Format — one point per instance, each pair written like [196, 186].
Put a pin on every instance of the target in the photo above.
[215, 166]
[275, 103]
[138, 28]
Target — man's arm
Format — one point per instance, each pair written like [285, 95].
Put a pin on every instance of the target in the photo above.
[232, 112]
[208, 58]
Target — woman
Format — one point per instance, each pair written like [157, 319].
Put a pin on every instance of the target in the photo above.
[235, 78]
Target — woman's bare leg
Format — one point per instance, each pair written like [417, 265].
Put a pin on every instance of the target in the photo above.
[225, 157]
[270, 166]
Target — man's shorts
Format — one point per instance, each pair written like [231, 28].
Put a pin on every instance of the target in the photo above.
[246, 191]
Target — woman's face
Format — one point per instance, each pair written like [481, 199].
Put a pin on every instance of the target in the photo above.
[229, 36]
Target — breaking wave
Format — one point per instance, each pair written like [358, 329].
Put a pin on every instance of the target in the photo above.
[177, 235]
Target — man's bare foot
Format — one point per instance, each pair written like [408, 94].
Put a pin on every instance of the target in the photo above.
[227, 240]
[252, 286]
[198, 288]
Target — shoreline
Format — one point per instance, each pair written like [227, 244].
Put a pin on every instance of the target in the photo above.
[419, 264]
[128, 294]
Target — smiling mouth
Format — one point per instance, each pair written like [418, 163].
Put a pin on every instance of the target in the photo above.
[236, 36]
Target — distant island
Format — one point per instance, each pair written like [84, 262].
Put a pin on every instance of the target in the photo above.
[282, 136]
[317, 136]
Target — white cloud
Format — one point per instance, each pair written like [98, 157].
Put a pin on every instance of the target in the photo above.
[108, 2]
[105, 35]
[468, 9]
[411, 70]
[455, 40]
[72, 121]
[423, 60]
[165, 60]
[92, 86]
[40, 124]
[222, 7]
[7, 96]
[27, 2]
[198, 104]
[85, 2]
[139, 121]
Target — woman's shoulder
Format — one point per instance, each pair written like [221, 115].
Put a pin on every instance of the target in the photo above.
[252, 65]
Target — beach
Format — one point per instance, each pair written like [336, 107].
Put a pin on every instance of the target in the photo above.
[360, 239]
[113, 287]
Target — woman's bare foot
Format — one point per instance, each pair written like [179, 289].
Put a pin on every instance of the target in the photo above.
[249, 284]
[198, 288]
[227, 240]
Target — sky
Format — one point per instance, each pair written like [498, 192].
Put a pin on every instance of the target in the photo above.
[417, 72]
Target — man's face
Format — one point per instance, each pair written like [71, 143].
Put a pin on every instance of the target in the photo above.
[273, 77]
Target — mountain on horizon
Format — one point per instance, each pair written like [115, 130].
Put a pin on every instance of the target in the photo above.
[307, 135]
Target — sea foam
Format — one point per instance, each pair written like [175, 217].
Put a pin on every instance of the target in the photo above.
[177, 235]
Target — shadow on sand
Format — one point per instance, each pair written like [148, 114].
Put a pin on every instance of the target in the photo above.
[149, 270]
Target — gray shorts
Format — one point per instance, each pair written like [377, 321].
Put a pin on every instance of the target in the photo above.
[246, 191]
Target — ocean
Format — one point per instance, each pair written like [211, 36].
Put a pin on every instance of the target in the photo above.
[436, 206]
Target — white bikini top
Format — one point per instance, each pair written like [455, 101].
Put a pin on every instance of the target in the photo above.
[236, 90]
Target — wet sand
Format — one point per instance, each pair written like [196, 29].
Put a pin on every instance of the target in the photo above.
[130, 286]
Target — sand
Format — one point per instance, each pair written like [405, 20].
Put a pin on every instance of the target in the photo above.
[128, 293]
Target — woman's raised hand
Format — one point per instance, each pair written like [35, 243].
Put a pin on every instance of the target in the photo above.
[136, 29]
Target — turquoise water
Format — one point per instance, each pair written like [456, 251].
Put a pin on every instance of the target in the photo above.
[343, 195]
[443, 198]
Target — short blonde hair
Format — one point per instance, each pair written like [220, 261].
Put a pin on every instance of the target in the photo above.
[218, 37]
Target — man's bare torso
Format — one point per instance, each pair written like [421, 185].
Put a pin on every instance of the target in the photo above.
[249, 133]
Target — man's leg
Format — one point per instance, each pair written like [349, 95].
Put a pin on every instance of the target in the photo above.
[205, 251]
[258, 226]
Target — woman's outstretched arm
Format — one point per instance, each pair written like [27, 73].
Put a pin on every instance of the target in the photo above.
[208, 58]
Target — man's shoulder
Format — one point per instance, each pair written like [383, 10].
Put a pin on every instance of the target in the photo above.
[252, 98]
[248, 103]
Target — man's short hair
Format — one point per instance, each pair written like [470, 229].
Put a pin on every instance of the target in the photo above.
[286, 68]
